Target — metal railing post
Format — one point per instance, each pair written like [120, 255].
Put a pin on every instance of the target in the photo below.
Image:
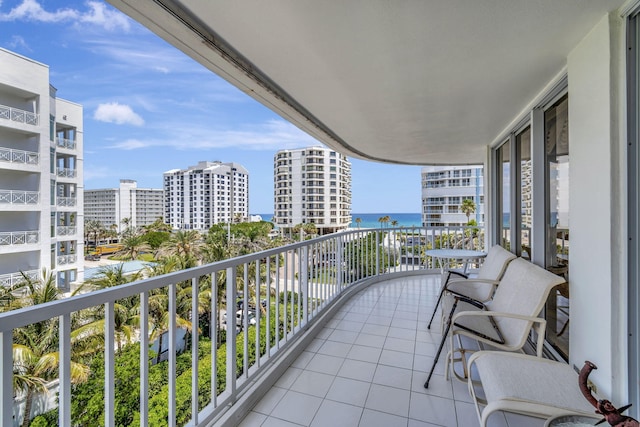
[64, 368]
[6, 378]
[303, 283]
[377, 252]
[231, 331]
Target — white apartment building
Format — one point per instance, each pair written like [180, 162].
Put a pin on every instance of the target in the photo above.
[41, 216]
[443, 190]
[110, 206]
[206, 194]
[312, 185]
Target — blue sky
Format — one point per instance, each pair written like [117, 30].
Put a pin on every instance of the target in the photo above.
[149, 108]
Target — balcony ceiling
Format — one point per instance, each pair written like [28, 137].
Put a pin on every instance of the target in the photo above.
[410, 81]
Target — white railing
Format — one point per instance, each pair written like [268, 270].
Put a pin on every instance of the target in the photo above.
[66, 259]
[66, 143]
[17, 115]
[19, 156]
[66, 172]
[16, 197]
[66, 201]
[66, 230]
[19, 237]
[296, 284]
[11, 279]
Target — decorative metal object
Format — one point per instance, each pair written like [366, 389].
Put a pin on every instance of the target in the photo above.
[611, 414]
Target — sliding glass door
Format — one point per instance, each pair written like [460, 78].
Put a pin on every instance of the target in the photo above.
[556, 131]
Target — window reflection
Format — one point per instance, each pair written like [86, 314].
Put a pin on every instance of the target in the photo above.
[523, 140]
[557, 246]
[504, 194]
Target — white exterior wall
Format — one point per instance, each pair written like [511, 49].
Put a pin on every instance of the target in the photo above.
[69, 122]
[25, 89]
[126, 201]
[597, 261]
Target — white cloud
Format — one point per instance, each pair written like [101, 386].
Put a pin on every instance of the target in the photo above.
[131, 144]
[272, 135]
[97, 14]
[109, 19]
[18, 42]
[117, 113]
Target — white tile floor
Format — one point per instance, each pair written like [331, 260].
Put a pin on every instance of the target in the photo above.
[367, 367]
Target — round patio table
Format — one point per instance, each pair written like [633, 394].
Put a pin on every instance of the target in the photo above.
[572, 421]
[464, 255]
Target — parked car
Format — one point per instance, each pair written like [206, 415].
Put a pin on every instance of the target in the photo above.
[239, 318]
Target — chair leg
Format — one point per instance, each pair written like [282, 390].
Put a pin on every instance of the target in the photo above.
[442, 342]
[442, 291]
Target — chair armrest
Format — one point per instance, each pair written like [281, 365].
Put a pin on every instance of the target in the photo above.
[468, 300]
[478, 289]
[539, 324]
[461, 276]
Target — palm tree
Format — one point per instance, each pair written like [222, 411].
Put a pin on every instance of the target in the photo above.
[381, 220]
[394, 223]
[92, 227]
[157, 225]
[134, 244]
[35, 348]
[186, 244]
[310, 229]
[468, 207]
[358, 221]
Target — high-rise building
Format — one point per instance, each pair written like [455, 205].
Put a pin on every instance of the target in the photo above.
[206, 194]
[41, 217]
[444, 188]
[312, 185]
[124, 206]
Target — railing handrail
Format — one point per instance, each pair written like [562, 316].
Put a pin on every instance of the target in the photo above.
[30, 197]
[65, 143]
[29, 315]
[13, 155]
[311, 274]
[14, 114]
[17, 234]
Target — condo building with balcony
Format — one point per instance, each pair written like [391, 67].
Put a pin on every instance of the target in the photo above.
[127, 203]
[41, 158]
[509, 84]
[312, 185]
[208, 193]
[444, 188]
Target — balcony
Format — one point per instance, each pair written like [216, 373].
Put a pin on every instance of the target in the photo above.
[19, 116]
[66, 173]
[66, 230]
[19, 156]
[11, 279]
[19, 238]
[16, 197]
[66, 143]
[349, 323]
[66, 201]
[66, 259]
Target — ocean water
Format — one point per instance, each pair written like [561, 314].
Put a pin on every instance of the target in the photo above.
[370, 220]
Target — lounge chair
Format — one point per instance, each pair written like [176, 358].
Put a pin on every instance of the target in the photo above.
[505, 321]
[481, 287]
[524, 384]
